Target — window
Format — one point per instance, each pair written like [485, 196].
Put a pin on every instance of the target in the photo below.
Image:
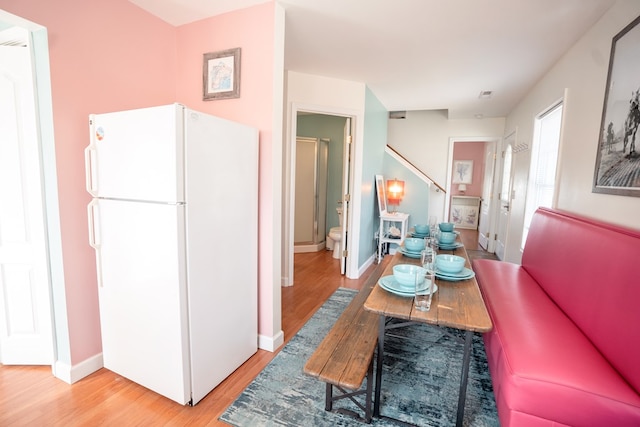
[544, 159]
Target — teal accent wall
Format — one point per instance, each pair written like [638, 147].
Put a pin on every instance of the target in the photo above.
[416, 191]
[332, 127]
[375, 140]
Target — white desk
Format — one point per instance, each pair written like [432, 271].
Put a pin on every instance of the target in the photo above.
[387, 220]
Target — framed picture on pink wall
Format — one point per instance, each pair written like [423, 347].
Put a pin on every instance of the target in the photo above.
[221, 75]
[462, 171]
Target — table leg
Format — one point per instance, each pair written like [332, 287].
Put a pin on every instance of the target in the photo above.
[382, 321]
[462, 395]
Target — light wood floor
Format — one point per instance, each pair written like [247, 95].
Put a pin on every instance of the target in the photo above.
[33, 396]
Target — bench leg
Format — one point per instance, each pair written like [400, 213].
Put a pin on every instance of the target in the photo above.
[381, 330]
[366, 407]
[369, 394]
[328, 399]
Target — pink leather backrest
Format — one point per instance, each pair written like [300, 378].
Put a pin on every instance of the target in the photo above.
[592, 271]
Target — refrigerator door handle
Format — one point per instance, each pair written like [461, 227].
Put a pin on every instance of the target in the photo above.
[93, 236]
[90, 169]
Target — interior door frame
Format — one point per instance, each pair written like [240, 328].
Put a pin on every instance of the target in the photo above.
[493, 209]
[289, 192]
[509, 140]
[39, 50]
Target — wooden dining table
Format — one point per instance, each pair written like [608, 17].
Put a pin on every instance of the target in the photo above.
[456, 305]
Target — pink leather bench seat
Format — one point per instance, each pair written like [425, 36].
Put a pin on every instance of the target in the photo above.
[543, 368]
[565, 346]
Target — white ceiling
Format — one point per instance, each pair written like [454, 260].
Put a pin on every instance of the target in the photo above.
[421, 54]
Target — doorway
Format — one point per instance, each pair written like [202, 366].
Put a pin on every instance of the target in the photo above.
[30, 246]
[337, 128]
[485, 172]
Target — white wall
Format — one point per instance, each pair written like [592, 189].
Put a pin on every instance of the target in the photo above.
[330, 96]
[423, 138]
[583, 72]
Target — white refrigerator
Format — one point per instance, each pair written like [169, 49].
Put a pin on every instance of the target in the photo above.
[174, 224]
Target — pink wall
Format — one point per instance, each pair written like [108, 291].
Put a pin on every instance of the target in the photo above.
[470, 151]
[104, 56]
[109, 55]
[251, 29]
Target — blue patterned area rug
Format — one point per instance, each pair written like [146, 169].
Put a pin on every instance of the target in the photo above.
[420, 380]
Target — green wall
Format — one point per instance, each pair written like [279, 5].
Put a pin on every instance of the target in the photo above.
[375, 140]
[331, 127]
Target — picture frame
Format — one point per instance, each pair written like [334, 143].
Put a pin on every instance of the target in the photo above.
[617, 165]
[381, 193]
[462, 172]
[221, 74]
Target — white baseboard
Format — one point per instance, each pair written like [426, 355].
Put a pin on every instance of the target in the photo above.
[366, 264]
[271, 343]
[72, 374]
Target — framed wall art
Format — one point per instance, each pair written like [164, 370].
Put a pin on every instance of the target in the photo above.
[221, 75]
[617, 169]
[462, 171]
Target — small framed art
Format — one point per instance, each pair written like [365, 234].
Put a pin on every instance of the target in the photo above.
[221, 75]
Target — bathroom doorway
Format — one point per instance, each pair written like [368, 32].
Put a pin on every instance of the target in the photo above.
[336, 129]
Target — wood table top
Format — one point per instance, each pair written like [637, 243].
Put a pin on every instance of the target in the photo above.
[456, 304]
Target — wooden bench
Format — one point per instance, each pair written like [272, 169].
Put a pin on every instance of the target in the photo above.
[345, 356]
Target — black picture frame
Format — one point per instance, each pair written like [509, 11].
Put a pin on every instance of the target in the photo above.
[617, 169]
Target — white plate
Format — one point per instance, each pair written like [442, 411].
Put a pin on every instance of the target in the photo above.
[389, 283]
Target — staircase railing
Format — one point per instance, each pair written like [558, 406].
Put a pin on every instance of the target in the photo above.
[415, 169]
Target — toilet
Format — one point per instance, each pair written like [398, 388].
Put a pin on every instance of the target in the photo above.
[334, 236]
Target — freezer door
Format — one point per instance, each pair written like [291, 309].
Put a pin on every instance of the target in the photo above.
[137, 154]
[142, 290]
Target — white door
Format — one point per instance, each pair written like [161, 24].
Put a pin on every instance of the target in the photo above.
[484, 224]
[25, 310]
[346, 197]
[505, 196]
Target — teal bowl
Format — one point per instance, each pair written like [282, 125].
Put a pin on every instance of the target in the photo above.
[449, 263]
[405, 275]
[421, 229]
[446, 237]
[446, 226]
[414, 244]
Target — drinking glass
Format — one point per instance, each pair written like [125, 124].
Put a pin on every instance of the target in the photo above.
[424, 291]
[433, 226]
[427, 258]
